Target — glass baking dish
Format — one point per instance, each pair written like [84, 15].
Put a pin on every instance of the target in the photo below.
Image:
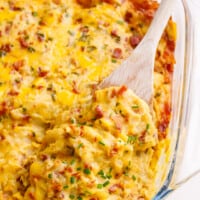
[181, 99]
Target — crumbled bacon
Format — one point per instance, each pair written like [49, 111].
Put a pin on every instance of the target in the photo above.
[57, 187]
[118, 121]
[113, 151]
[114, 188]
[3, 108]
[13, 7]
[6, 47]
[128, 16]
[134, 40]
[2, 137]
[75, 88]
[117, 53]
[42, 73]
[99, 112]
[23, 43]
[13, 93]
[17, 65]
[122, 90]
[171, 45]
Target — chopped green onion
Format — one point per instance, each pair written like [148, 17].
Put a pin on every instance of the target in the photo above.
[106, 183]
[135, 106]
[99, 186]
[87, 171]
[134, 177]
[35, 14]
[72, 180]
[131, 139]
[65, 186]
[147, 127]
[80, 145]
[71, 196]
[100, 142]
[50, 176]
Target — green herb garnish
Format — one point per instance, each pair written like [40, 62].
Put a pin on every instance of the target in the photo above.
[87, 171]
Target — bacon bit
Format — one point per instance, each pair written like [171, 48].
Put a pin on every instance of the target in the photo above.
[134, 40]
[0, 33]
[142, 136]
[99, 112]
[113, 151]
[141, 198]
[94, 198]
[43, 157]
[128, 17]
[17, 65]
[91, 184]
[3, 108]
[114, 33]
[6, 47]
[42, 73]
[57, 187]
[13, 93]
[84, 29]
[69, 169]
[2, 137]
[7, 28]
[31, 195]
[122, 90]
[169, 67]
[23, 43]
[87, 166]
[145, 5]
[118, 121]
[13, 7]
[39, 87]
[117, 53]
[77, 175]
[79, 20]
[149, 14]
[171, 45]
[114, 188]
[40, 37]
[75, 88]
[58, 2]
[26, 118]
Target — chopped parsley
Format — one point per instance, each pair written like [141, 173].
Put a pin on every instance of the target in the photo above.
[79, 198]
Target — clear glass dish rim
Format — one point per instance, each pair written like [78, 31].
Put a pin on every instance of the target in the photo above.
[183, 106]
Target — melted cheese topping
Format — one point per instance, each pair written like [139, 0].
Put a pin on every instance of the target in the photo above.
[59, 138]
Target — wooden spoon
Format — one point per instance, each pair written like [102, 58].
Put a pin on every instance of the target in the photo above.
[136, 72]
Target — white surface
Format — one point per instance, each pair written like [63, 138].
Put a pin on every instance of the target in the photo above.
[191, 159]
